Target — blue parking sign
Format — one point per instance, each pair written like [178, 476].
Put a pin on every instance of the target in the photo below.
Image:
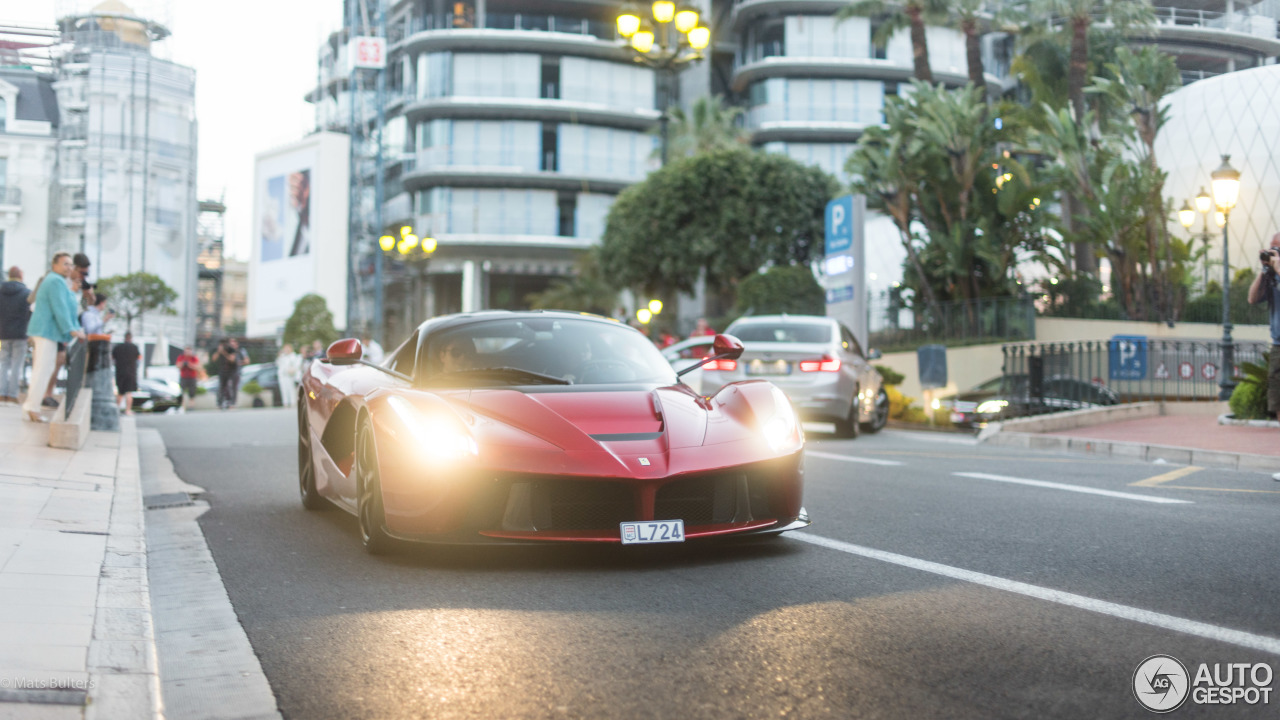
[839, 225]
[1128, 357]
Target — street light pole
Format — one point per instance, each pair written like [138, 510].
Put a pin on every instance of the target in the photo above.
[1226, 189]
[671, 39]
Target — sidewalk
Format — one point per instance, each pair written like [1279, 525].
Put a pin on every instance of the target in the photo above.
[76, 635]
[1186, 433]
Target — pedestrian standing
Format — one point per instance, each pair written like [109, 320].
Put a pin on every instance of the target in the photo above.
[702, 329]
[188, 373]
[1266, 287]
[126, 356]
[53, 321]
[372, 350]
[288, 368]
[15, 313]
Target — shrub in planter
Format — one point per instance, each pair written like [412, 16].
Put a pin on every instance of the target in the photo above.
[253, 388]
[889, 375]
[1249, 401]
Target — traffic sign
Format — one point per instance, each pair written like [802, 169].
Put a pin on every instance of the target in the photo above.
[839, 225]
[1128, 355]
[1186, 370]
[1162, 372]
[839, 294]
[1208, 371]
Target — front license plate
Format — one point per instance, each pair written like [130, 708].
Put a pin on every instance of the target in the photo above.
[652, 531]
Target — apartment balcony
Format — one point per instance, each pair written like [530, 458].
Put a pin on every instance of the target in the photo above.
[539, 109]
[1179, 30]
[398, 209]
[839, 68]
[512, 41]
[500, 176]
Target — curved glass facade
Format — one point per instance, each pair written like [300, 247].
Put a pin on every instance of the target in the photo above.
[815, 100]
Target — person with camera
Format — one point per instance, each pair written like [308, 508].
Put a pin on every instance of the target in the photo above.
[1266, 286]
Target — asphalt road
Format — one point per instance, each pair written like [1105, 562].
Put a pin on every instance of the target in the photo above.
[918, 592]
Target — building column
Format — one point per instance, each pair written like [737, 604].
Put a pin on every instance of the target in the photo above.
[472, 286]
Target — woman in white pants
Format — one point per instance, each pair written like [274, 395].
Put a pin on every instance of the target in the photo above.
[288, 368]
[53, 320]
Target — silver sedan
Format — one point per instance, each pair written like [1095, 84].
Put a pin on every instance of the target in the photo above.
[816, 361]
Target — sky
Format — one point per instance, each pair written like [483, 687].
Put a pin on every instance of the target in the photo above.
[254, 63]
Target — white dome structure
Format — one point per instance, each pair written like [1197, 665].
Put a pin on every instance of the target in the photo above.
[1236, 114]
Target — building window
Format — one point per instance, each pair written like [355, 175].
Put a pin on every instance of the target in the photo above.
[568, 204]
[551, 78]
[550, 154]
[879, 50]
[4, 116]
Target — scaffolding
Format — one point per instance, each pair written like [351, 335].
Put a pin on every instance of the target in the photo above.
[210, 231]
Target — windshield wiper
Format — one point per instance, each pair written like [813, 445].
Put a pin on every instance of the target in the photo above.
[509, 372]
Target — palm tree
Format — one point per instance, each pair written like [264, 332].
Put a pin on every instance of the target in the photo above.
[1139, 83]
[968, 13]
[885, 169]
[709, 125]
[1079, 16]
[911, 14]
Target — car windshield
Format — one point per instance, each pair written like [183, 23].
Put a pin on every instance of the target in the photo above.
[782, 332]
[541, 351]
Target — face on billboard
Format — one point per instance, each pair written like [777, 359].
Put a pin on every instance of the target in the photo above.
[285, 228]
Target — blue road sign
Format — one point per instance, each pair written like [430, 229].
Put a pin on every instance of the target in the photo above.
[839, 226]
[1128, 357]
[839, 294]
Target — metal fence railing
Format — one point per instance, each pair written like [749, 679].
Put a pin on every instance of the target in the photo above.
[77, 360]
[1069, 375]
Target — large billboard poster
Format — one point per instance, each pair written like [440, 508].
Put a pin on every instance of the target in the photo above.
[285, 226]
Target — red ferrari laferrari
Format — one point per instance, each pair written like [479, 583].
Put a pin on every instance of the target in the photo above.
[505, 426]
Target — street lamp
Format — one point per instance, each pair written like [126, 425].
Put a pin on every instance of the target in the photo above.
[416, 253]
[1204, 203]
[1226, 190]
[670, 39]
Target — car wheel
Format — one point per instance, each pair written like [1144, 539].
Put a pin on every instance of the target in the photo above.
[373, 533]
[880, 415]
[848, 427]
[311, 498]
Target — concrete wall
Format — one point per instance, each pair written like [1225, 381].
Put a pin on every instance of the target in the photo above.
[971, 365]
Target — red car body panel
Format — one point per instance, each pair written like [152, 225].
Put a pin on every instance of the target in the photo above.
[557, 463]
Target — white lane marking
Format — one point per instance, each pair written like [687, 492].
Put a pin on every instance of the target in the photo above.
[1124, 612]
[850, 458]
[1074, 488]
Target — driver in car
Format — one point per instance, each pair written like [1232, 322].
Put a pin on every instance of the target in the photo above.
[457, 354]
[577, 358]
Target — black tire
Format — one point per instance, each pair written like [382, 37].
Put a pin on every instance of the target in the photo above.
[311, 499]
[848, 427]
[880, 416]
[373, 531]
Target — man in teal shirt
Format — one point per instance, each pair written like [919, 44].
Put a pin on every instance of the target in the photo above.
[53, 320]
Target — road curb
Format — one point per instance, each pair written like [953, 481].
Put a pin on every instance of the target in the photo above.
[1137, 451]
[122, 660]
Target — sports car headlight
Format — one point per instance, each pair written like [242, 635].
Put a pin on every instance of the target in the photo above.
[991, 407]
[782, 429]
[435, 438]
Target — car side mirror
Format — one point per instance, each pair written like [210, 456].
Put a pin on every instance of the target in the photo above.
[726, 347]
[874, 354]
[347, 351]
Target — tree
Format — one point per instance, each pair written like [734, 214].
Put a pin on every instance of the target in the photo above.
[588, 291]
[912, 14]
[782, 289]
[137, 294]
[310, 321]
[970, 22]
[709, 125]
[721, 215]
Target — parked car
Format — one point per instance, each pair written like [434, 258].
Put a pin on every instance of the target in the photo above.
[816, 361]
[263, 373]
[155, 395]
[687, 353]
[1001, 398]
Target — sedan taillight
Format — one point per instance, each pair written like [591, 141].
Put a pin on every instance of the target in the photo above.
[826, 364]
[722, 364]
